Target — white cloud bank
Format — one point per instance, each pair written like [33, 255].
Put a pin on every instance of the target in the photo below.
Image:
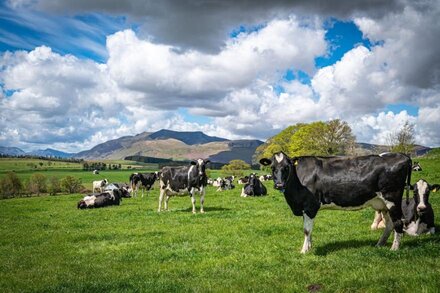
[74, 104]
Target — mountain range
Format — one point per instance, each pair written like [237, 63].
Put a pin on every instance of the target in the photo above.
[175, 145]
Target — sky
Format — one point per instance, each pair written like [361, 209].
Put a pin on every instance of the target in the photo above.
[76, 73]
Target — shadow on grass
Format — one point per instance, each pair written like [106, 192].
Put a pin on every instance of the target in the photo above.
[408, 241]
[207, 209]
[325, 249]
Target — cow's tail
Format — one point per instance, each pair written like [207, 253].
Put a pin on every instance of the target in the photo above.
[408, 181]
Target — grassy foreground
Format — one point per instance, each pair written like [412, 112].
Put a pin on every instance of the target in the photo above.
[240, 244]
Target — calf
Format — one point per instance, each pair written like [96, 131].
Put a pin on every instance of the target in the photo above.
[254, 187]
[180, 181]
[144, 179]
[310, 183]
[418, 212]
[98, 185]
[416, 167]
[100, 200]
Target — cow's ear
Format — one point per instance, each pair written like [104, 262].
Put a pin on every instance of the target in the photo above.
[265, 161]
[207, 161]
[434, 187]
[193, 163]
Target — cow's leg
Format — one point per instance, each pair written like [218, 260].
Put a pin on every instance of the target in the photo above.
[193, 200]
[202, 199]
[388, 228]
[308, 226]
[166, 202]
[378, 221]
[161, 195]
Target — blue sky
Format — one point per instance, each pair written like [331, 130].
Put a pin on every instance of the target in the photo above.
[146, 76]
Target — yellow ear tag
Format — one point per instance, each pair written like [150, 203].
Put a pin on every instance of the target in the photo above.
[296, 163]
[434, 190]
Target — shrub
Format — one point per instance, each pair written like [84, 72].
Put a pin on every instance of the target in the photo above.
[37, 183]
[54, 185]
[71, 184]
[10, 185]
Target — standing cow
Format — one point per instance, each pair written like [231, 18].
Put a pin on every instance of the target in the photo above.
[144, 179]
[311, 183]
[99, 185]
[181, 181]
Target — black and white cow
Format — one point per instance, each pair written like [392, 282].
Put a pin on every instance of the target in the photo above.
[418, 212]
[144, 179]
[254, 187]
[123, 187]
[99, 200]
[310, 183]
[181, 181]
[416, 166]
[243, 180]
[226, 183]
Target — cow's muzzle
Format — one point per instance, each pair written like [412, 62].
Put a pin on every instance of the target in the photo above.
[279, 186]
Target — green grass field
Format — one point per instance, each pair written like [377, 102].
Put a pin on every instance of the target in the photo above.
[238, 245]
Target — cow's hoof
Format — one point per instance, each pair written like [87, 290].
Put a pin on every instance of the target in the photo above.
[202, 212]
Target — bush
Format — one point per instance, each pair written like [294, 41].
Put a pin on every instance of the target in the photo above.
[37, 184]
[236, 167]
[71, 184]
[10, 185]
[54, 186]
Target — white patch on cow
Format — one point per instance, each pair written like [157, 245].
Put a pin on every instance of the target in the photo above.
[90, 200]
[243, 194]
[383, 154]
[423, 188]
[308, 227]
[279, 157]
[189, 172]
[396, 241]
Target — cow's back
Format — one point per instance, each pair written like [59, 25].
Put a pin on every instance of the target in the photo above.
[175, 178]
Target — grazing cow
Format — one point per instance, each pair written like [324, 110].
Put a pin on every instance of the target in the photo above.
[416, 166]
[243, 180]
[265, 178]
[180, 181]
[123, 187]
[144, 179]
[254, 187]
[418, 212]
[99, 200]
[98, 185]
[310, 183]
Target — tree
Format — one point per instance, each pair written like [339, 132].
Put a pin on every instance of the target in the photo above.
[403, 141]
[329, 138]
[236, 167]
[10, 185]
[71, 184]
[54, 185]
[37, 183]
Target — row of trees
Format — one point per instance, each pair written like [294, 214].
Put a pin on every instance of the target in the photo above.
[90, 166]
[12, 186]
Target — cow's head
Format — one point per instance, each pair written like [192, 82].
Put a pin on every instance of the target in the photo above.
[281, 166]
[421, 194]
[201, 166]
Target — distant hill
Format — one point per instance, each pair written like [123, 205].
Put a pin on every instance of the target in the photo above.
[11, 151]
[50, 153]
[190, 138]
[175, 145]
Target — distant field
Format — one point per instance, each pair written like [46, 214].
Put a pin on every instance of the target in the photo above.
[240, 245]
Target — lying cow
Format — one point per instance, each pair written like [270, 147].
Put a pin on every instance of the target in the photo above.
[125, 189]
[310, 183]
[254, 187]
[98, 185]
[416, 167]
[181, 181]
[418, 212]
[100, 200]
[144, 179]
[226, 184]
[243, 180]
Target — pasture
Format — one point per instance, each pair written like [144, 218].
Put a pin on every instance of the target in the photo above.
[239, 244]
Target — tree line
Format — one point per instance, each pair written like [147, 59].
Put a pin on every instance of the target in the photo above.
[12, 186]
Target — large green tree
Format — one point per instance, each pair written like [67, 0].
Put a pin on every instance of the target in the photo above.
[329, 138]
